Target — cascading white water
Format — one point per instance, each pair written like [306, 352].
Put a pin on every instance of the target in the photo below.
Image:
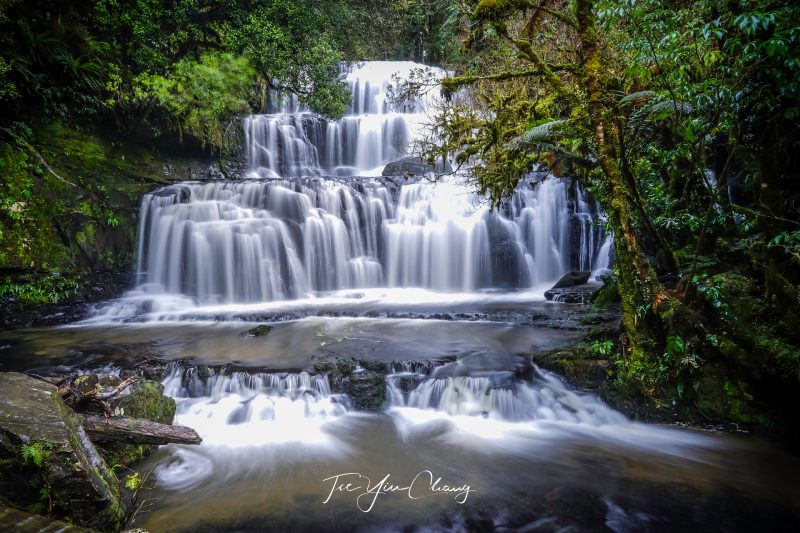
[259, 408]
[499, 396]
[291, 237]
[258, 241]
[292, 142]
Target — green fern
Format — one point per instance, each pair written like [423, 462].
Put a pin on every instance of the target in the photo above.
[642, 121]
[543, 133]
[637, 98]
[36, 453]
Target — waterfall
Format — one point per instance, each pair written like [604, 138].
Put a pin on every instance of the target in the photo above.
[303, 226]
[498, 396]
[257, 241]
[293, 142]
[258, 407]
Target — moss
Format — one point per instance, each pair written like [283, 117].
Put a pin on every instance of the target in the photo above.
[731, 350]
[368, 390]
[259, 330]
[78, 218]
[578, 365]
[146, 400]
[125, 455]
[606, 296]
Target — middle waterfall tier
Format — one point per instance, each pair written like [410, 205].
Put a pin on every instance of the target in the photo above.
[257, 241]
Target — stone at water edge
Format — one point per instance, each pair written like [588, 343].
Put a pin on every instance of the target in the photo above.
[80, 483]
[573, 278]
[578, 294]
[260, 330]
[414, 166]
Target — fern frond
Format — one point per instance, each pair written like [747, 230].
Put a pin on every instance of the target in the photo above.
[541, 133]
[637, 98]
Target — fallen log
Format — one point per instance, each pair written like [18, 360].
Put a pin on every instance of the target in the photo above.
[137, 431]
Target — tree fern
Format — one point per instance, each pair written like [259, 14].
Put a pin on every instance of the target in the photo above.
[543, 133]
[639, 97]
[642, 121]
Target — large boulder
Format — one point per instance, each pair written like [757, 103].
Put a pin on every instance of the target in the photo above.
[572, 278]
[47, 462]
[367, 389]
[21, 522]
[414, 166]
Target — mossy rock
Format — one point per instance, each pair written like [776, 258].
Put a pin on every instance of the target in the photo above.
[607, 295]
[77, 481]
[575, 366]
[367, 389]
[337, 370]
[146, 400]
[722, 398]
[259, 331]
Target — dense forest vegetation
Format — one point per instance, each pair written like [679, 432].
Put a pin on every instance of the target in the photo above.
[680, 117]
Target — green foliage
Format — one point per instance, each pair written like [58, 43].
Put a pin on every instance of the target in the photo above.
[602, 349]
[427, 30]
[201, 96]
[185, 66]
[789, 242]
[36, 453]
[40, 289]
[132, 481]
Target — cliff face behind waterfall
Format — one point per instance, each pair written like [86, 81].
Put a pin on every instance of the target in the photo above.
[74, 242]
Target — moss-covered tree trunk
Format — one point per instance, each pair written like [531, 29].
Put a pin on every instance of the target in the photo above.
[638, 284]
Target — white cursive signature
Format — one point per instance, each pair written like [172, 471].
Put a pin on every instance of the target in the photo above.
[424, 485]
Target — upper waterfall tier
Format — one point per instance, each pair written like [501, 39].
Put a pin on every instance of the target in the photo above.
[292, 142]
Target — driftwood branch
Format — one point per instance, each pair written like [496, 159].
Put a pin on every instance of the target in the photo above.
[81, 401]
[119, 388]
[137, 431]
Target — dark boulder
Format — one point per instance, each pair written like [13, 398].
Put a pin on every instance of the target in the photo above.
[414, 166]
[367, 389]
[572, 278]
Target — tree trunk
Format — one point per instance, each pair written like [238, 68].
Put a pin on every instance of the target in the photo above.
[638, 285]
[137, 431]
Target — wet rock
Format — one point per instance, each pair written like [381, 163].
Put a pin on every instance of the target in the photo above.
[22, 522]
[414, 166]
[259, 331]
[367, 389]
[578, 294]
[62, 463]
[144, 399]
[573, 278]
[579, 371]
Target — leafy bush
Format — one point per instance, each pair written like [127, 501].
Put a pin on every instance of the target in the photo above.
[201, 96]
